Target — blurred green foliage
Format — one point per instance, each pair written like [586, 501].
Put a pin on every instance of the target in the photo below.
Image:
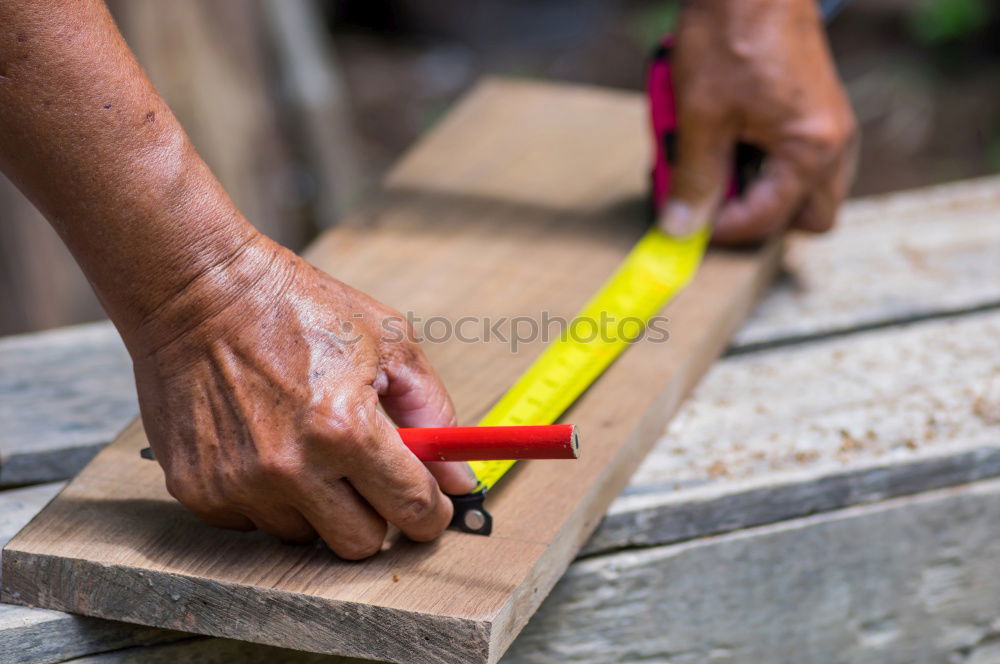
[993, 153]
[649, 24]
[937, 22]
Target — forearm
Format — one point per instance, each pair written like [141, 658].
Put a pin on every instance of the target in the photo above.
[87, 138]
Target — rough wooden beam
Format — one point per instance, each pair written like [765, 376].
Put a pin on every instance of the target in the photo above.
[899, 581]
[63, 395]
[201, 650]
[871, 416]
[901, 256]
[38, 636]
[906, 580]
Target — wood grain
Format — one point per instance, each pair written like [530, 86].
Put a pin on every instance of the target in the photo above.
[905, 581]
[468, 225]
[63, 395]
[39, 636]
[897, 257]
[667, 500]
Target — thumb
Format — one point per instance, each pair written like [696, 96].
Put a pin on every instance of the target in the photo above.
[415, 396]
[699, 178]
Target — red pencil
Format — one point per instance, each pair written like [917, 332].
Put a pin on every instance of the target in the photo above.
[551, 441]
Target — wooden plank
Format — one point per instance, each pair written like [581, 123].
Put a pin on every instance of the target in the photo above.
[114, 545]
[63, 395]
[855, 569]
[906, 581]
[901, 256]
[38, 636]
[889, 394]
[870, 416]
[202, 650]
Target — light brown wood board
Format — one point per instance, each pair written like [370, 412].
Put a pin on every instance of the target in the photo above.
[522, 201]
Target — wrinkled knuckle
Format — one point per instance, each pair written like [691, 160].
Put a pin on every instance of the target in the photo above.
[344, 430]
[278, 468]
[831, 136]
[364, 414]
[336, 424]
[415, 507]
[823, 148]
[412, 356]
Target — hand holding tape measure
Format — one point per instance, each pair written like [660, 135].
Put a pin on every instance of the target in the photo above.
[660, 265]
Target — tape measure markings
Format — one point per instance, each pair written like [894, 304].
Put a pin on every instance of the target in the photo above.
[653, 272]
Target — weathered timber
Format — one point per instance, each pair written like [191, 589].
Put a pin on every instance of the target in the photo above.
[63, 395]
[792, 431]
[905, 581]
[907, 255]
[39, 636]
[205, 650]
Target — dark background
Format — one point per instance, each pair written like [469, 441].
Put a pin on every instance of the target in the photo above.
[300, 106]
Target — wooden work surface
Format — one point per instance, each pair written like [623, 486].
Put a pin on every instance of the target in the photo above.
[522, 202]
[877, 547]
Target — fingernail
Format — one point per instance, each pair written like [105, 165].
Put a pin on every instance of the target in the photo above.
[472, 476]
[678, 219]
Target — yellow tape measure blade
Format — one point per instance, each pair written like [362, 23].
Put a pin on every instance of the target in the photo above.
[653, 272]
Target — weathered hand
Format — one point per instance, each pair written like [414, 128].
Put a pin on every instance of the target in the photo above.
[259, 386]
[758, 71]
